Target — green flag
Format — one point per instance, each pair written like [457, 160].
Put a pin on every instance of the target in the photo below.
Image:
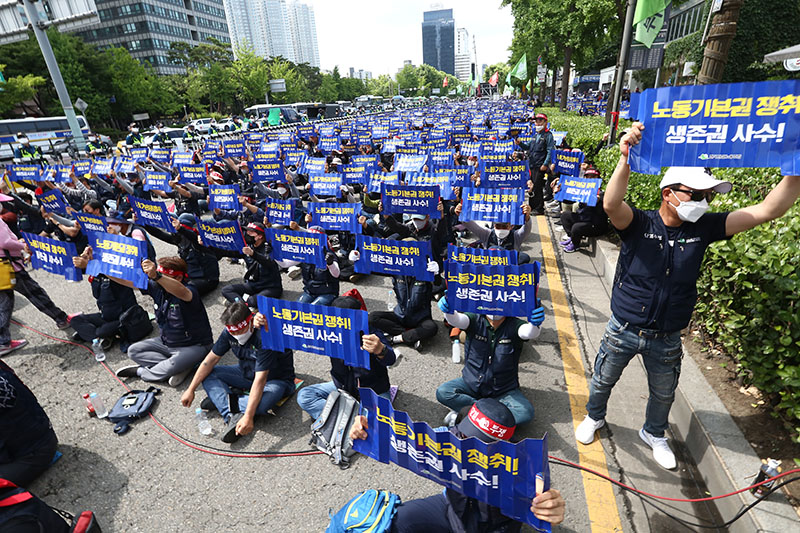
[520, 70]
[648, 19]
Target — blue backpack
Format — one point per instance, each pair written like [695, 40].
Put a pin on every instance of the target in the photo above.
[369, 512]
[131, 406]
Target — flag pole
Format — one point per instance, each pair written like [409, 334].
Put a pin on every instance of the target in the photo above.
[620, 74]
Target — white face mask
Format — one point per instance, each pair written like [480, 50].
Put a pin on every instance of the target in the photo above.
[690, 211]
[134, 130]
[282, 191]
[25, 141]
[419, 224]
[502, 233]
[242, 338]
[494, 318]
[539, 128]
[92, 139]
[472, 163]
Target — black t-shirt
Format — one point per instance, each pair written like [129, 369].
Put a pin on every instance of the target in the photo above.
[254, 358]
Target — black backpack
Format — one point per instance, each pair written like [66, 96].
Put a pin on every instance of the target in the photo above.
[18, 507]
[330, 433]
[135, 324]
[131, 406]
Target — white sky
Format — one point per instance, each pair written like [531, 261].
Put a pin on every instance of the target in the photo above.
[377, 35]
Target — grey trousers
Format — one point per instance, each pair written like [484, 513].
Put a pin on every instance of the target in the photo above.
[158, 362]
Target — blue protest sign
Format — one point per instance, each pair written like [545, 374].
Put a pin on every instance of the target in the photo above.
[103, 167]
[458, 175]
[150, 213]
[156, 181]
[558, 137]
[329, 144]
[317, 329]
[502, 474]
[295, 157]
[124, 166]
[326, 184]
[410, 163]
[725, 125]
[396, 258]
[60, 174]
[511, 174]
[234, 148]
[313, 165]
[225, 234]
[508, 290]
[568, 162]
[118, 256]
[224, 197]
[182, 158]
[493, 205]
[363, 138]
[209, 157]
[267, 166]
[91, 222]
[442, 157]
[52, 201]
[138, 154]
[411, 200]
[192, 174]
[53, 256]
[479, 256]
[441, 180]
[633, 107]
[24, 172]
[376, 181]
[160, 155]
[82, 167]
[305, 131]
[583, 190]
[303, 246]
[335, 216]
[471, 149]
[279, 212]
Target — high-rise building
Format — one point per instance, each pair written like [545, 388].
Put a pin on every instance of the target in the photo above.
[463, 58]
[303, 33]
[146, 30]
[438, 40]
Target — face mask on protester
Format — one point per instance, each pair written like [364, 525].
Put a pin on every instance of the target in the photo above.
[282, 191]
[134, 130]
[419, 224]
[539, 128]
[25, 141]
[690, 211]
[92, 139]
[494, 318]
[242, 338]
[502, 233]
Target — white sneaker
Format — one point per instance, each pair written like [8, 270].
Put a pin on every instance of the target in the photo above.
[177, 379]
[552, 203]
[661, 450]
[450, 419]
[585, 432]
[294, 272]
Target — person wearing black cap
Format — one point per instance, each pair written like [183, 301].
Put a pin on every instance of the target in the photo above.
[262, 276]
[451, 511]
[134, 138]
[540, 154]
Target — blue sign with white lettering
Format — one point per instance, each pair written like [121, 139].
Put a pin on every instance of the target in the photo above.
[396, 258]
[53, 256]
[224, 197]
[303, 246]
[225, 234]
[493, 205]
[583, 190]
[568, 162]
[118, 256]
[507, 290]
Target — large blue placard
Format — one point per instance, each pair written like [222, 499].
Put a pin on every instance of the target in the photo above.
[53, 201]
[103, 167]
[303, 246]
[568, 162]
[493, 205]
[376, 181]
[150, 213]
[90, 222]
[583, 190]
[318, 329]
[410, 163]
[279, 212]
[335, 216]
[478, 256]
[192, 174]
[118, 256]
[507, 290]
[396, 258]
[224, 197]
[326, 184]
[724, 125]
[267, 166]
[234, 148]
[53, 256]
[24, 172]
[502, 474]
[160, 155]
[411, 200]
[138, 154]
[441, 180]
[504, 174]
[156, 181]
[225, 234]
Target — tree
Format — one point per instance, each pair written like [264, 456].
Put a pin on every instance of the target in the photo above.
[408, 81]
[251, 77]
[18, 89]
[383, 85]
[296, 89]
[328, 91]
[719, 41]
[350, 88]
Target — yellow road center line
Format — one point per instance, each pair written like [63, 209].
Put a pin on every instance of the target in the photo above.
[600, 500]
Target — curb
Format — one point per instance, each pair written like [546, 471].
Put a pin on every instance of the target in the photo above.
[725, 460]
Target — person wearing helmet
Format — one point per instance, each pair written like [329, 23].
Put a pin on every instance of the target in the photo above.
[26, 152]
[134, 138]
[161, 136]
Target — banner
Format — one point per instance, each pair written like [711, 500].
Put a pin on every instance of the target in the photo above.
[182, 158]
[160, 155]
[313, 166]
[725, 125]
[583, 190]
[395, 258]
[327, 145]
[410, 163]
[558, 137]
[441, 180]
[411, 200]
[478, 256]
[376, 181]
[568, 162]
[443, 157]
[295, 157]
[327, 184]
[82, 167]
[53, 256]
[118, 256]
[335, 217]
[303, 246]
[124, 165]
[224, 197]
[103, 167]
[280, 212]
[356, 173]
[317, 329]
[157, 181]
[471, 149]
[225, 234]
[512, 174]
[192, 174]
[494, 290]
[267, 166]
[234, 148]
[57, 174]
[493, 205]
[151, 213]
[138, 154]
[502, 474]
[24, 172]
[53, 201]
[91, 222]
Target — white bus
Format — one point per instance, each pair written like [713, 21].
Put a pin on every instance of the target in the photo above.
[43, 132]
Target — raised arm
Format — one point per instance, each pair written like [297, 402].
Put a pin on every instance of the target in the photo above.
[618, 211]
[774, 205]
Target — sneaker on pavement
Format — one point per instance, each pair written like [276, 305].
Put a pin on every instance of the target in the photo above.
[450, 419]
[570, 247]
[566, 240]
[586, 429]
[63, 324]
[178, 378]
[229, 433]
[127, 371]
[208, 405]
[417, 345]
[294, 272]
[11, 346]
[661, 450]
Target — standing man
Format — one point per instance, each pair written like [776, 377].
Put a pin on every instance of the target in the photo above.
[655, 286]
[134, 138]
[540, 154]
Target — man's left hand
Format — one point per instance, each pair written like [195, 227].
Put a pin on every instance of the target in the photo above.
[244, 426]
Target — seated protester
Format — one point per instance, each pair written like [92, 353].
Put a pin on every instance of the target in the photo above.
[312, 398]
[320, 285]
[502, 234]
[268, 375]
[118, 225]
[27, 440]
[23, 512]
[203, 266]
[189, 198]
[262, 276]
[112, 299]
[451, 511]
[181, 316]
[586, 221]
[491, 366]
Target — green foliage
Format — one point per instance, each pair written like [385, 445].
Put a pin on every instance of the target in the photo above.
[17, 89]
[383, 85]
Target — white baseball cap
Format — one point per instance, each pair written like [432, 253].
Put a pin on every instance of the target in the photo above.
[697, 178]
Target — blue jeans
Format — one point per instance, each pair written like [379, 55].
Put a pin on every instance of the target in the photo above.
[312, 398]
[218, 386]
[322, 299]
[456, 395]
[662, 361]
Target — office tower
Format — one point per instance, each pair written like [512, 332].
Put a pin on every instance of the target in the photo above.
[438, 40]
[303, 33]
[463, 58]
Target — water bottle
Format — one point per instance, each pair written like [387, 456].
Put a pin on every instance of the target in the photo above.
[99, 353]
[770, 468]
[99, 407]
[456, 351]
[390, 303]
[202, 422]
[89, 406]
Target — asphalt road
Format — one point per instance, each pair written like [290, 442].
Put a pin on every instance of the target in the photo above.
[148, 481]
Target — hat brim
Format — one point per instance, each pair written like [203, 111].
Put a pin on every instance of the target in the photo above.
[695, 178]
[468, 429]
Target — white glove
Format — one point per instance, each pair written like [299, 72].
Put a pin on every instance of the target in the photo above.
[354, 256]
[433, 267]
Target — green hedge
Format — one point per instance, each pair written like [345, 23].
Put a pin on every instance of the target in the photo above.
[750, 285]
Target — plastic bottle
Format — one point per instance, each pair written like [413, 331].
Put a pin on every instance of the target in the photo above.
[769, 469]
[456, 351]
[99, 407]
[89, 406]
[390, 303]
[99, 353]
[202, 422]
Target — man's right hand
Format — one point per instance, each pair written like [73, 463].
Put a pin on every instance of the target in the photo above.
[632, 138]
[359, 428]
[187, 398]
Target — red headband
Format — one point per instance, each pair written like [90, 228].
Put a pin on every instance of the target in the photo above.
[489, 426]
[241, 325]
[170, 272]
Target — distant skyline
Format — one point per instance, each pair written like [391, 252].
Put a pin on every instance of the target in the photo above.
[379, 36]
